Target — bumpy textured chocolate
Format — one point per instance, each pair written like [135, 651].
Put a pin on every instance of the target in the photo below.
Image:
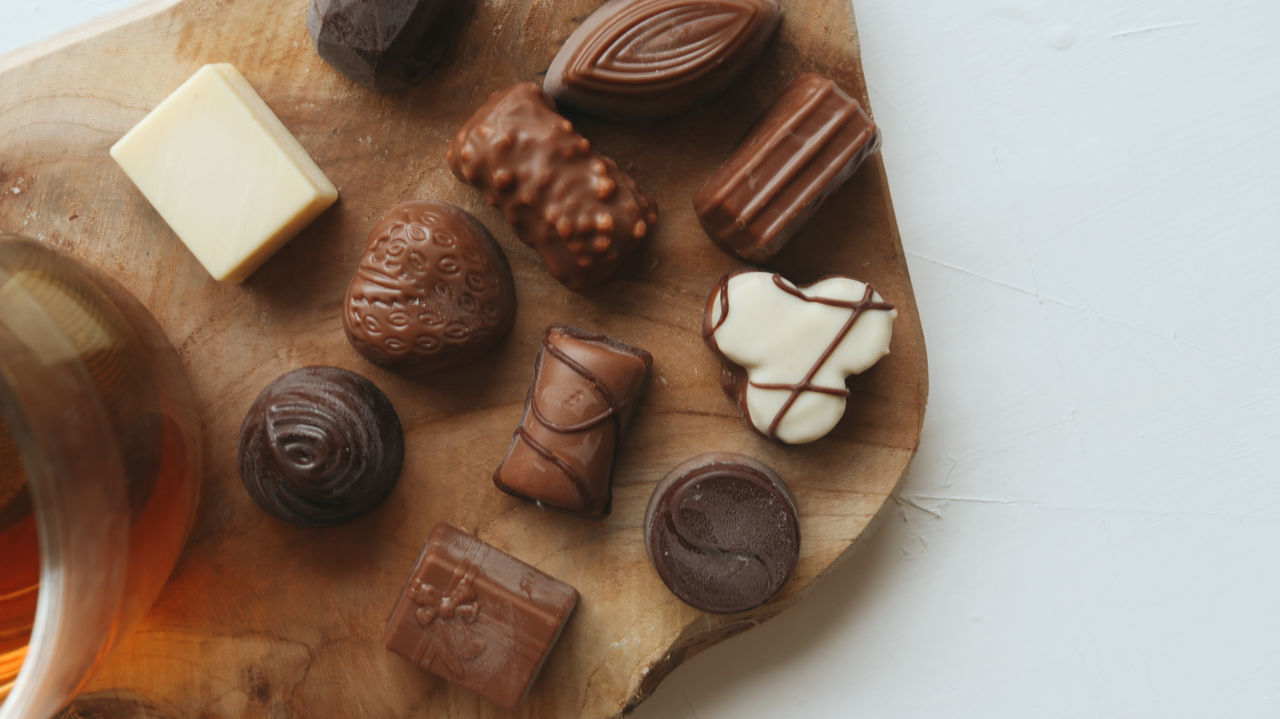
[812, 140]
[641, 59]
[584, 393]
[432, 291]
[478, 617]
[723, 533]
[583, 215]
[385, 44]
[320, 446]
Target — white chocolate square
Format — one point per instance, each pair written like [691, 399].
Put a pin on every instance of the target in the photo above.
[224, 172]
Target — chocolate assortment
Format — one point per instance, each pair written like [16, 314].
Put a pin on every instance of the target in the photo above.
[723, 532]
[789, 350]
[642, 59]
[813, 139]
[583, 215]
[432, 291]
[584, 392]
[478, 617]
[385, 44]
[320, 446]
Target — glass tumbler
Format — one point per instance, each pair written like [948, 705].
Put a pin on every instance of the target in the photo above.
[100, 461]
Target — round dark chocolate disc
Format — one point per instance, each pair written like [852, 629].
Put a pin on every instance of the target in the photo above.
[723, 532]
[320, 446]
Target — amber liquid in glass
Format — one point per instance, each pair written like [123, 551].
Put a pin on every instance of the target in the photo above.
[135, 378]
[19, 562]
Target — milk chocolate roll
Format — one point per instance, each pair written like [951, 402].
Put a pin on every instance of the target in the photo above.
[812, 140]
[584, 393]
[583, 215]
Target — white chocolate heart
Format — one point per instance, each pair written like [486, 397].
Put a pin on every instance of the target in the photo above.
[797, 346]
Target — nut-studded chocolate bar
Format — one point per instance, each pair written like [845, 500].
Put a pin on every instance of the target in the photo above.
[812, 140]
[583, 215]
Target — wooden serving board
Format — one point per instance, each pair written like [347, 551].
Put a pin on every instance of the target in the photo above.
[265, 619]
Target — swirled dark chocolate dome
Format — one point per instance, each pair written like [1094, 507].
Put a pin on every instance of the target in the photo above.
[320, 446]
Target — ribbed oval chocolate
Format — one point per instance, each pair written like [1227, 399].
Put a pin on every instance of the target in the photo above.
[642, 59]
[723, 532]
[320, 446]
[432, 291]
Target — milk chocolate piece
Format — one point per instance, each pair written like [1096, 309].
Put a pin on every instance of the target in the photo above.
[812, 140]
[584, 393]
[723, 533]
[583, 215]
[432, 291]
[641, 59]
[320, 446]
[788, 350]
[385, 44]
[478, 617]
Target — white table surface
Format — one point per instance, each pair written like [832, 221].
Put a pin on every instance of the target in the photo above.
[1089, 196]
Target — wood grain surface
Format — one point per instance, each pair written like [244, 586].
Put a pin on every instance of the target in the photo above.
[265, 619]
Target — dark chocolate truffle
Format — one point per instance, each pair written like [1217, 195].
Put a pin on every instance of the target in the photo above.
[585, 217]
[723, 532]
[385, 44]
[642, 59]
[320, 446]
[432, 291]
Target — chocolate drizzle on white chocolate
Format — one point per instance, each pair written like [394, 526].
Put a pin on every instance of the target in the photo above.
[758, 358]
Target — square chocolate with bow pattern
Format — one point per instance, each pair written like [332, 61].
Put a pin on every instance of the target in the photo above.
[478, 617]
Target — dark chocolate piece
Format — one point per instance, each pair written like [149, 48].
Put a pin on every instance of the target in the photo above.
[812, 140]
[584, 393]
[385, 44]
[642, 59]
[583, 215]
[723, 533]
[432, 291]
[320, 446]
[478, 617]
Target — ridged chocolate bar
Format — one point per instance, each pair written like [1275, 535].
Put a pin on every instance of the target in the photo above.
[812, 140]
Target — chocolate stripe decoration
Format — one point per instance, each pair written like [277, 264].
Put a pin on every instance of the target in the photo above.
[806, 385]
[585, 389]
[812, 140]
[772, 312]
